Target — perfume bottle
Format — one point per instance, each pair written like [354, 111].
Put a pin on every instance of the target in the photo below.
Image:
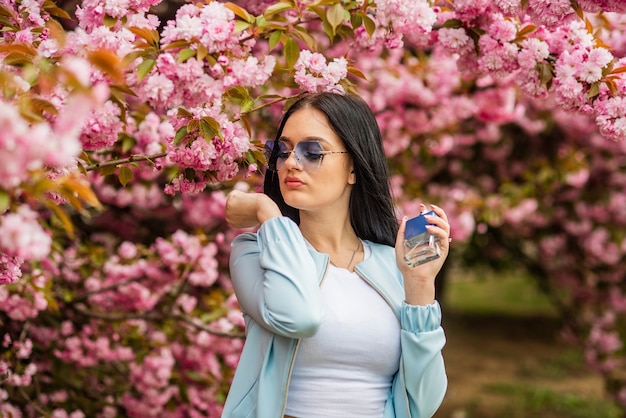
[420, 245]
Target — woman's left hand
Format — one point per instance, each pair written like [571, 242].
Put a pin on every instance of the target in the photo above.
[419, 281]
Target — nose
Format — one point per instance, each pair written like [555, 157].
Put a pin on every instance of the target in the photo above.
[293, 161]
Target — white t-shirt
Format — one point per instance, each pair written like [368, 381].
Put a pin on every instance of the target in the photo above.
[346, 369]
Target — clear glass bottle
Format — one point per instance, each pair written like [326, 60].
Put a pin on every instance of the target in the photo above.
[420, 246]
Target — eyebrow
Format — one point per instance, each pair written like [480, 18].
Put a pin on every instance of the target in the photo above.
[307, 138]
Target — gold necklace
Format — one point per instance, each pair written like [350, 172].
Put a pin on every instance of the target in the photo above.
[351, 258]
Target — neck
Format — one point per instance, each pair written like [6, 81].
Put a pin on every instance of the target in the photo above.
[335, 237]
[328, 233]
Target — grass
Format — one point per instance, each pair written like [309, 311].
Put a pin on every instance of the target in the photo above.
[532, 401]
[537, 389]
[485, 292]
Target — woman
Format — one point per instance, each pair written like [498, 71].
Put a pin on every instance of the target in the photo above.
[337, 324]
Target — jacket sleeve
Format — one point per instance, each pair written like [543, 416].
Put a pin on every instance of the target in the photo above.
[276, 280]
[422, 372]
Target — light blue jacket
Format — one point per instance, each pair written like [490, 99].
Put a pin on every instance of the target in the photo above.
[277, 282]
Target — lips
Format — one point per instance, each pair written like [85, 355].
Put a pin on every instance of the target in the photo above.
[293, 182]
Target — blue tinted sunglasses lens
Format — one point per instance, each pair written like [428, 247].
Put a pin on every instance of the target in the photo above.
[307, 154]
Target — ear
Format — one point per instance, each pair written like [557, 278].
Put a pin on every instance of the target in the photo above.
[352, 177]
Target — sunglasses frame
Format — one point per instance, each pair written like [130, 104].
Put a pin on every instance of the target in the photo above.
[274, 156]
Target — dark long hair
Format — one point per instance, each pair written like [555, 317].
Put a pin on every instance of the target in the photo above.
[371, 205]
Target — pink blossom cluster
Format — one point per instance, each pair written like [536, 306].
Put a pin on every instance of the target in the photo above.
[84, 349]
[193, 83]
[26, 148]
[314, 74]
[185, 249]
[92, 13]
[152, 134]
[397, 20]
[559, 57]
[550, 13]
[412, 19]
[102, 127]
[21, 375]
[26, 301]
[26, 16]
[151, 378]
[10, 271]
[603, 343]
[595, 6]
[204, 210]
[211, 159]
[212, 26]
[22, 236]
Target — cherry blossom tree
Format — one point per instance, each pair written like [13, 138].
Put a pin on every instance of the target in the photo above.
[122, 133]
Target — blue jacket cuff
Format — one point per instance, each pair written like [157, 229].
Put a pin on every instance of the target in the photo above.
[414, 318]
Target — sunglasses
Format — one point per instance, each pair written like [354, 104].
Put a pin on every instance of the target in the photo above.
[308, 154]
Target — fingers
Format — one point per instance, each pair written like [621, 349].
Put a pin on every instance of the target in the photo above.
[400, 235]
[439, 226]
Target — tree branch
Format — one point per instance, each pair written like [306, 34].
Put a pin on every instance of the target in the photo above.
[137, 158]
[131, 159]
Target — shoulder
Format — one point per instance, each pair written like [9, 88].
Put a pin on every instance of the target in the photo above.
[273, 230]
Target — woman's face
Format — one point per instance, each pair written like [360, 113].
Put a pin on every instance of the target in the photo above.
[311, 184]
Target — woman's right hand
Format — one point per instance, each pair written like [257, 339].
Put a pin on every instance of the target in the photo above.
[247, 210]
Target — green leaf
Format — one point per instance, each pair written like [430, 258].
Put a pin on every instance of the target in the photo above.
[144, 68]
[274, 38]
[335, 15]
[526, 30]
[185, 54]
[207, 131]
[250, 157]
[123, 88]
[184, 113]
[150, 35]
[180, 134]
[276, 9]
[202, 52]
[370, 25]
[246, 105]
[594, 90]
[107, 170]
[192, 125]
[125, 175]
[355, 71]
[5, 11]
[239, 11]
[5, 201]
[216, 129]
[109, 21]
[292, 52]
[237, 92]
[453, 24]
[131, 57]
[545, 73]
[303, 35]
[50, 7]
[127, 142]
[246, 124]
[241, 26]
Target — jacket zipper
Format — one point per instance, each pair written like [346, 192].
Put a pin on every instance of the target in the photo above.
[295, 351]
[400, 369]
